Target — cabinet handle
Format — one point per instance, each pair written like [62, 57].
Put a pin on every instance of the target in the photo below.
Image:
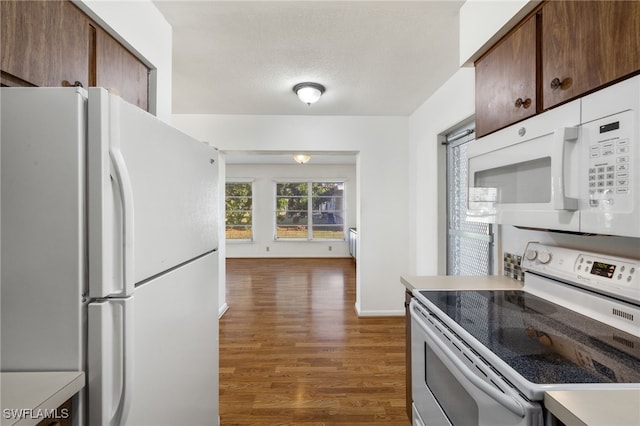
[524, 104]
[556, 83]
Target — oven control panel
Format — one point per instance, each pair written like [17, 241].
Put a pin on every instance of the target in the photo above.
[616, 276]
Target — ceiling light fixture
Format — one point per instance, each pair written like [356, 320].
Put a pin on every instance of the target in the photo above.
[309, 93]
[301, 158]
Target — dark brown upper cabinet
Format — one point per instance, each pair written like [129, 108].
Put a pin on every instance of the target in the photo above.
[561, 51]
[587, 44]
[121, 72]
[53, 44]
[44, 43]
[506, 80]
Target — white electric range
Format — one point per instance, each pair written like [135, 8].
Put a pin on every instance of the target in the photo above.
[487, 357]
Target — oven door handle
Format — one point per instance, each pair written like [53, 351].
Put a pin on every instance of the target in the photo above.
[506, 401]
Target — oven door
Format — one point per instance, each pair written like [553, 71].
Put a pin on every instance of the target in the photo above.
[527, 174]
[447, 390]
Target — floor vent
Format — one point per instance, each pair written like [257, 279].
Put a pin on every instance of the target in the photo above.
[622, 314]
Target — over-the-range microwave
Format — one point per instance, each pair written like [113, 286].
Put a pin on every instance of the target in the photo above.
[573, 168]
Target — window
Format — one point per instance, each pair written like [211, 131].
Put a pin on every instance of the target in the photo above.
[470, 244]
[310, 210]
[239, 211]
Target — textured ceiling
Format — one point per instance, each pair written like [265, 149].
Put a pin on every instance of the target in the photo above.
[375, 58]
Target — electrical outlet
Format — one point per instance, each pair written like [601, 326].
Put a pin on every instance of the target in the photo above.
[330, 248]
[268, 248]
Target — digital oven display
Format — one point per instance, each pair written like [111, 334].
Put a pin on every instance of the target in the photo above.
[603, 269]
[610, 127]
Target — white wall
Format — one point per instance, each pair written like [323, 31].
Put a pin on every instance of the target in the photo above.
[140, 26]
[381, 172]
[263, 177]
[453, 103]
[484, 22]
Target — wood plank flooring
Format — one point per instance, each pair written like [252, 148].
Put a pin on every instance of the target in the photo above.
[294, 352]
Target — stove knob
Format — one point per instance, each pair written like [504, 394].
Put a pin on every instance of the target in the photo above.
[544, 257]
[531, 254]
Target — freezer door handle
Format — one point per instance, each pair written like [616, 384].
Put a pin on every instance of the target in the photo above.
[126, 195]
[104, 363]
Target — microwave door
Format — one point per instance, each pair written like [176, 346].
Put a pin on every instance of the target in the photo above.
[527, 183]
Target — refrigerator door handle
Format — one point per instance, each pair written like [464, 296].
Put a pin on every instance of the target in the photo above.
[110, 344]
[122, 412]
[126, 195]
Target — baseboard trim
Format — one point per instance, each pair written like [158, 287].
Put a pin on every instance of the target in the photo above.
[393, 313]
[222, 309]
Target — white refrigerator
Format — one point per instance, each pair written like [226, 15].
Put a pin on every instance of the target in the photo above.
[109, 255]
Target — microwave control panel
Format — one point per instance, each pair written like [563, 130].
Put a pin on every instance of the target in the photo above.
[610, 161]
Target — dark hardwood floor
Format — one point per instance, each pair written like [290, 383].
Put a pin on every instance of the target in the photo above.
[294, 352]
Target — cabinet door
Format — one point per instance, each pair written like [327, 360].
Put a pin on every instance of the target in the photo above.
[119, 70]
[506, 80]
[586, 44]
[44, 43]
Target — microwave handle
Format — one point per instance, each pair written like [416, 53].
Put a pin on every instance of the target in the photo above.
[560, 200]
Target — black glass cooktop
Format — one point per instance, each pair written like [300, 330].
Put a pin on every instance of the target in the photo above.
[544, 342]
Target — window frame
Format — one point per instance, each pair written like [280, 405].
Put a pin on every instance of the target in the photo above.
[309, 210]
[252, 211]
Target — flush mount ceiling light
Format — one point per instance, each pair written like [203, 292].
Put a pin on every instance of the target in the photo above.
[301, 158]
[309, 93]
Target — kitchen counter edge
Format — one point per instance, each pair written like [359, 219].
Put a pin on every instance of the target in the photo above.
[595, 407]
[36, 392]
[457, 282]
